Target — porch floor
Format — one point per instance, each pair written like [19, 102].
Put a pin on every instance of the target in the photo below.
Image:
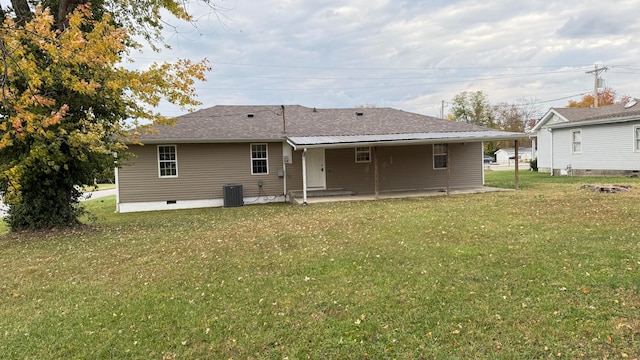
[324, 196]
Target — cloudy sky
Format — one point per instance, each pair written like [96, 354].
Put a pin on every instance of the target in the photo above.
[407, 54]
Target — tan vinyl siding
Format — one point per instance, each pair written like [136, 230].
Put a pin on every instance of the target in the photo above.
[203, 170]
[466, 165]
[399, 168]
[294, 172]
[344, 173]
[411, 167]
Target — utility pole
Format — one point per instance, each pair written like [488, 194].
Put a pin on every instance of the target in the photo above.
[596, 74]
[442, 105]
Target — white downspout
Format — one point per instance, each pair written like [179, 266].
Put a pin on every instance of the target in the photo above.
[284, 182]
[551, 154]
[304, 177]
[482, 157]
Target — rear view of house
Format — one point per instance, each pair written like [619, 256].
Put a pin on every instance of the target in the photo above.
[590, 141]
[235, 155]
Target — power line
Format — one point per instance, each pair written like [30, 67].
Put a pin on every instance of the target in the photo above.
[399, 68]
[369, 68]
[469, 77]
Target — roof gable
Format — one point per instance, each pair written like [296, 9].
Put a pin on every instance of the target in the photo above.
[551, 117]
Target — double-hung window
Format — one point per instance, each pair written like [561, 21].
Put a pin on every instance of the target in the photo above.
[576, 141]
[440, 156]
[167, 161]
[636, 138]
[363, 154]
[259, 159]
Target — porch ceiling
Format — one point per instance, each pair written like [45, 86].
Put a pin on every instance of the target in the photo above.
[337, 141]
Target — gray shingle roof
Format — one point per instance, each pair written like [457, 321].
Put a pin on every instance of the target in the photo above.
[614, 111]
[267, 122]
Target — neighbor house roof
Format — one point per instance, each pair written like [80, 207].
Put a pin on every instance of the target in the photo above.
[589, 116]
[311, 126]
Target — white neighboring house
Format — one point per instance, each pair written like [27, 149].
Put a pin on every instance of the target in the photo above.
[589, 141]
[507, 156]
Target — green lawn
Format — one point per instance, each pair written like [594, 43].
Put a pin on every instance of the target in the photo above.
[550, 271]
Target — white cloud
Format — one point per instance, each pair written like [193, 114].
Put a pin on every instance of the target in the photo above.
[408, 54]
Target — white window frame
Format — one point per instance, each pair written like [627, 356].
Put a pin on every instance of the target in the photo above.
[363, 151]
[574, 142]
[438, 153]
[254, 159]
[174, 160]
[636, 138]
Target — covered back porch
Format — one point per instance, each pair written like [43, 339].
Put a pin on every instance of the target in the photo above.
[387, 166]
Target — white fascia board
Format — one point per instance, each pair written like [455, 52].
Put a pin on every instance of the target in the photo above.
[391, 142]
[546, 118]
[595, 122]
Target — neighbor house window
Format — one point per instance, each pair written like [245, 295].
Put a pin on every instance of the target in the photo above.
[439, 156]
[259, 163]
[636, 138]
[363, 154]
[167, 161]
[576, 141]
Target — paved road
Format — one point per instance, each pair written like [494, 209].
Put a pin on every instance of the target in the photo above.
[87, 196]
[511, 166]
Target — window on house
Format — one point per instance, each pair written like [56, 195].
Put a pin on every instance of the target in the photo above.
[259, 163]
[439, 156]
[167, 161]
[363, 154]
[636, 137]
[576, 141]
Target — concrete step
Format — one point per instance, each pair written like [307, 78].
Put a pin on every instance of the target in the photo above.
[322, 193]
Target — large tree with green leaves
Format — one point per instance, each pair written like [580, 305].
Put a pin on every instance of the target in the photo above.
[473, 107]
[67, 102]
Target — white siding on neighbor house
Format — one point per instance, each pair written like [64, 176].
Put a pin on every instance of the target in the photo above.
[604, 147]
[544, 148]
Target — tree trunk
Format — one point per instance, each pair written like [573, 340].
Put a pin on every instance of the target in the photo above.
[22, 10]
[66, 7]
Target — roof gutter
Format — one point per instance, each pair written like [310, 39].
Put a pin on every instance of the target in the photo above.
[292, 144]
[204, 141]
[349, 144]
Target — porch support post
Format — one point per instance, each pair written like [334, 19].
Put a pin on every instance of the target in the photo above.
[304, 176]
[517, 160]
[448, 169]
[376, 179]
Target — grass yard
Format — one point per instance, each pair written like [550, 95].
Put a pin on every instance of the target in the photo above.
[550, 271]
